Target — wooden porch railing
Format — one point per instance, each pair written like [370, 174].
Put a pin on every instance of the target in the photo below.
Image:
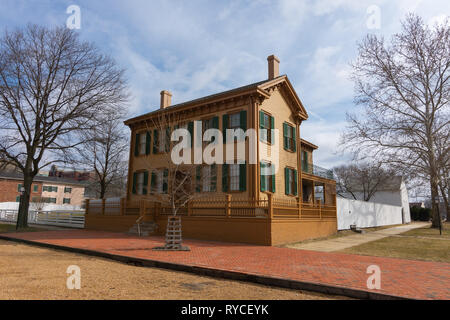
[270, 208]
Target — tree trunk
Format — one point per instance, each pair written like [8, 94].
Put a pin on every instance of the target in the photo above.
[435, 216]
[24, 205]
[102, 190]
[445, 197]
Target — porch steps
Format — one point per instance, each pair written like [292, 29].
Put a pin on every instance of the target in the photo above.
[147, 228]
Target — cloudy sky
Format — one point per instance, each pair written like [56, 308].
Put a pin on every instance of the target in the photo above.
[195, 48]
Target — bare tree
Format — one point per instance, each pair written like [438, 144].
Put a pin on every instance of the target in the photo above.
[404, 86]
[105, 152]
[52, 87]
[363, 179]
[173, 184]
[38, 204]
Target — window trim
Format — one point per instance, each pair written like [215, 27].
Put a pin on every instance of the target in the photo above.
[292, 138]
[293, 186]
[269, 138]
[269, 178]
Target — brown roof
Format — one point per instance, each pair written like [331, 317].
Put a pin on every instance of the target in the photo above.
[256, 87]
[309, 144]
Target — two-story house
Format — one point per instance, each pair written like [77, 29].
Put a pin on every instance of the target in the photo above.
[241, 201]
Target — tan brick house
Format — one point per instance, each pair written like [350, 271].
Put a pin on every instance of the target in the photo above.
[295, 203]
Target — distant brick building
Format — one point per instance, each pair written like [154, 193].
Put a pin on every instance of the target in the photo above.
[44, 189]
[10, 189]
[71, 173]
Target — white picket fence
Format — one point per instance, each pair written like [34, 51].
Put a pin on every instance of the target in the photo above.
[63, 218]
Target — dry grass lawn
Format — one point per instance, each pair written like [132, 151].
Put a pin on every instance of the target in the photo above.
[10, 227]
[418, 244]
[29, 272]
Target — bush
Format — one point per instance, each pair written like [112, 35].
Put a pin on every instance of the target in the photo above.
[425, 214]
[415, 212]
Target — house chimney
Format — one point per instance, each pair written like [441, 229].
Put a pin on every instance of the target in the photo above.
[166, 98]
[274, 67]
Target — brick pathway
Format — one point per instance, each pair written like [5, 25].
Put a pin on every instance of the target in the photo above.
[405, 278]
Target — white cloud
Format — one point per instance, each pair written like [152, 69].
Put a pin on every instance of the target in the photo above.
[326, 135]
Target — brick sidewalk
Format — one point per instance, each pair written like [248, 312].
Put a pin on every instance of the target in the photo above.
[401, 278]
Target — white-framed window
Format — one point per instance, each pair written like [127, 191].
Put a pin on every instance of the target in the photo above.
[207, 124]
[266, 123]
[140, 183]
[159, 181]
[142, 143]
[162, 141]
[206, 178]
[234, 177]
[235, 121]
[267, 179]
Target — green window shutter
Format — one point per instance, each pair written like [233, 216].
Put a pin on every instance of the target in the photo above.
[213, 177]
[272, 126]
[262, 137]
[295, 183]
[18, 199]
[18, 187]
[262, 177]
[167, 141]
[35, 188]
[198, 174]
[272, 122]
[215, 125]
[136, 144]
[153, 181]
[273, 179]
[144, 189]
[165, 184]
[191, 131]
[285, 135]
[243, 177]
[134, 182]
[224, 127]
[261, 119]
[286, 181]
[215, 122]
[155, 141]
[294, 130]
[243, 119]
[225, 178]
[147, 143]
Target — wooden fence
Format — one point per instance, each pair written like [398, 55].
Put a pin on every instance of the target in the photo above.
[270, 208]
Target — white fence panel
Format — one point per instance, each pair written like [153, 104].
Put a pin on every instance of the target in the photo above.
[366, 214]
[65, 218]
